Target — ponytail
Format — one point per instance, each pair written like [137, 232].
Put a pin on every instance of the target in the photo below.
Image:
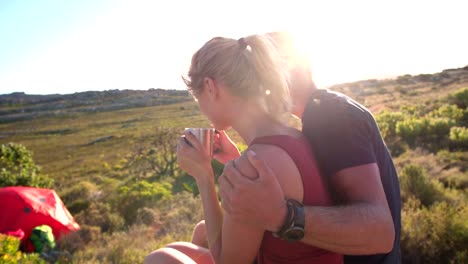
[271, 75]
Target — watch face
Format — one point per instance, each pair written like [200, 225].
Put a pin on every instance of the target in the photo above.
[294, 234]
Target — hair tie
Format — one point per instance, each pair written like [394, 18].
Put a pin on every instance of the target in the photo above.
[242, 43]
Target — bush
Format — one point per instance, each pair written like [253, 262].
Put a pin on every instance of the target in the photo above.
[448, 111]
[18, 168]
[455, 179]
[78, 240]
[453, 159]
[430, 132]
[414, 182]
[180, 215]
[459, 137]
[437, 234]
[80, 196]
[387, 123]
[460, 98]
[101, 215]
[141, 194]
[147, 216]
[10, 254]
[410, 129]
[119, 247]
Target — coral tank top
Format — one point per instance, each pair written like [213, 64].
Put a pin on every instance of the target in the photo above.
[275, 250]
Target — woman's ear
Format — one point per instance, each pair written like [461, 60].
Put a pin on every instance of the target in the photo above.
[211, 88]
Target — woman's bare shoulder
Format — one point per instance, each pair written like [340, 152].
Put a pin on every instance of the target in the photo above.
[281, 164]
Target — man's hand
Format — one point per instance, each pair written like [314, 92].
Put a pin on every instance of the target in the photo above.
[256, 200]
[223, 148]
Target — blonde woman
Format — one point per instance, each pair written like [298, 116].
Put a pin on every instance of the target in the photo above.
[241, 84]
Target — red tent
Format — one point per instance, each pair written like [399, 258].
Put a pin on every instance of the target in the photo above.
[26, 207]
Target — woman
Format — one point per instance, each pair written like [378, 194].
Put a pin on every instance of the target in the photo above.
[241, 84]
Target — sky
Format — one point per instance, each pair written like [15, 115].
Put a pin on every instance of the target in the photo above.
[68, 46]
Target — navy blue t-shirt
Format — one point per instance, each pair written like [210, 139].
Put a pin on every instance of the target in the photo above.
[344, 134]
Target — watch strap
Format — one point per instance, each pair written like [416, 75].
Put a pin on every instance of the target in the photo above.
[295, 218]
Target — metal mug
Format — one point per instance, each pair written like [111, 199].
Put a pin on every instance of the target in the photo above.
[205, 136]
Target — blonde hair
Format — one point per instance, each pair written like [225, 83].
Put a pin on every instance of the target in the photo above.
[249, 67]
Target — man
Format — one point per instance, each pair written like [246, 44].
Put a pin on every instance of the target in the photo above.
[365, 223]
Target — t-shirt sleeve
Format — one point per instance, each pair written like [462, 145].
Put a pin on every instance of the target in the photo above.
[341, 138]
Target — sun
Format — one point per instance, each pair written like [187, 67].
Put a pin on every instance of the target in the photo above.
[302, 49]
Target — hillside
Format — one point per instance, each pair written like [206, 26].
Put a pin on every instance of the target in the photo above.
[21, 106]
[112, 156]
[404, 90]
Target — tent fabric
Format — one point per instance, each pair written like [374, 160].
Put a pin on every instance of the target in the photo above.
[27, 207]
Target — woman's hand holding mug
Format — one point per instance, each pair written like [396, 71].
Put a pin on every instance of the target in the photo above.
[194, 152]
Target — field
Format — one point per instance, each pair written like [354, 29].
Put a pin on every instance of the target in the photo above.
[113, 163]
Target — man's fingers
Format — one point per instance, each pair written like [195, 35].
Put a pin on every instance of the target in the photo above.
[225, 191]
[224, 184]
[233, 175]
[262, 169]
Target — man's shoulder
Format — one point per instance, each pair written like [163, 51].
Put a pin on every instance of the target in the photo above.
[334, 101]
[328, 107]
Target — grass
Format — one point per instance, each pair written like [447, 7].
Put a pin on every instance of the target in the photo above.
[77, 152]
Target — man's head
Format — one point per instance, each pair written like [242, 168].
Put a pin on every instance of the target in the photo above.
[300, 75]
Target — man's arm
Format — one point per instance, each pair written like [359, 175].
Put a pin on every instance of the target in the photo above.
[363, 225]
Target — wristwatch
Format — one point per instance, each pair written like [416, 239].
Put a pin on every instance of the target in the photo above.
[293, 228]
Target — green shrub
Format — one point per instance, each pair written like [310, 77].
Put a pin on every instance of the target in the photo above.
[436, 234]
[464, 119]
[387, 123]
[101, 215]
[459, 137]
[147, 216]
[141, 194]
[431, 133]
[10, 254]
[460, 98]
[180, 215]
[455, 179]
[453, 159]
[414, 182]
[175, 220]
[9, 245]
[120, 247]
[448, 111]
[80, 239]
[411, 128]
[79, 196]
[17, 168]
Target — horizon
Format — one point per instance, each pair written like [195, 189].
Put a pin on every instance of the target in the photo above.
[168, 89]
[67, 47]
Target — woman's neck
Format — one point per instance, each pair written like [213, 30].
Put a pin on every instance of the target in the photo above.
[252, 123]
